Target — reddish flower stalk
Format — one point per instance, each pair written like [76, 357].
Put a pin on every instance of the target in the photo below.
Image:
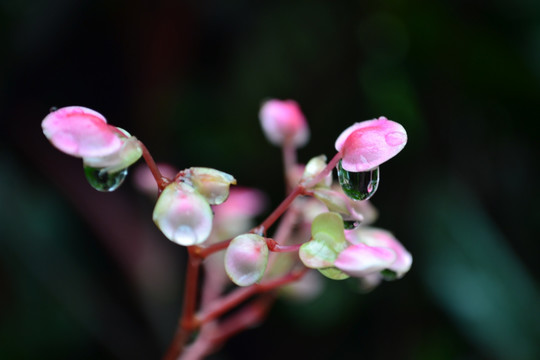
[188, 322]
[272, 218]
[205, 252]
[161, 181]
[223, 305]
[275, 247]
[250, 314]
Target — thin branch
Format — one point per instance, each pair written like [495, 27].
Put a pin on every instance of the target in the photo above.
[275, 247]
[223, 305]
[271, 219]
[187, 322]
[161, 181]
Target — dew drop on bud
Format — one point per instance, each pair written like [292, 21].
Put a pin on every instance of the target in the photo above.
[101, 180]
[389, 275]
[350, 224]
[53, 109]
[358, 185]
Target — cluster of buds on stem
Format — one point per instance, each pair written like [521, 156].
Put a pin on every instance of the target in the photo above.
[324, 225]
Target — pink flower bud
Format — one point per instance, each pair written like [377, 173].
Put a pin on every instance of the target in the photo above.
[283, 120]
[183, 215]
[84, 133]
[361, 260]
[367, 144]
[381, 238]
[128, 154]
[246, 259]
[81, 132]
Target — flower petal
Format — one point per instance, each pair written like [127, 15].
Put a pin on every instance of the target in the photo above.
[366, 145]
[81, 132]
[284, 119]
[378, 237]
[127, 155]
[361, 260]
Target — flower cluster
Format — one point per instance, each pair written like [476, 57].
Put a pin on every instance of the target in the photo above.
[322, 224]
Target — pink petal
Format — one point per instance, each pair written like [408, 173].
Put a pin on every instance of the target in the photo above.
[366, 145]
[284, 119]
[382, 238]
[361, 260]
[80, 132]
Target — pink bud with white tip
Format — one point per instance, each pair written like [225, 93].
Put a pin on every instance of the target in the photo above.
[283, 121]
[367, 144]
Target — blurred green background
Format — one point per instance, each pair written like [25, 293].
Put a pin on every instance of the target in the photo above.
[85, 275]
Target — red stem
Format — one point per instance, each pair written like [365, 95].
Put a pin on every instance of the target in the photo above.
[223, 305]
[289, 161]
[271, 219]
[188, 322]
[275, 247]
[161, 181]
[205, 252]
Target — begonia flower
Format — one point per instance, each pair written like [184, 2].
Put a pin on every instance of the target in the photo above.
[246, 258]
[183, 215]
[360, 260]
[376, 237]
[282, 120]
[84, 133]
[367, 144]
[372, 253]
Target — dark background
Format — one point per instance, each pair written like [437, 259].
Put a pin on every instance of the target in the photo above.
[86, 275]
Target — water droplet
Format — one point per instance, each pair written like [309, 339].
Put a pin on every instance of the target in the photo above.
[395, 138]
[184, 235]
[389, 275]
[350, 224]
[101, 180]
[53, 109]
[358, 185]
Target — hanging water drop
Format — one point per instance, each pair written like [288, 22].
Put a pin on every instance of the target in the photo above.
[358, 185]
[101, 180]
